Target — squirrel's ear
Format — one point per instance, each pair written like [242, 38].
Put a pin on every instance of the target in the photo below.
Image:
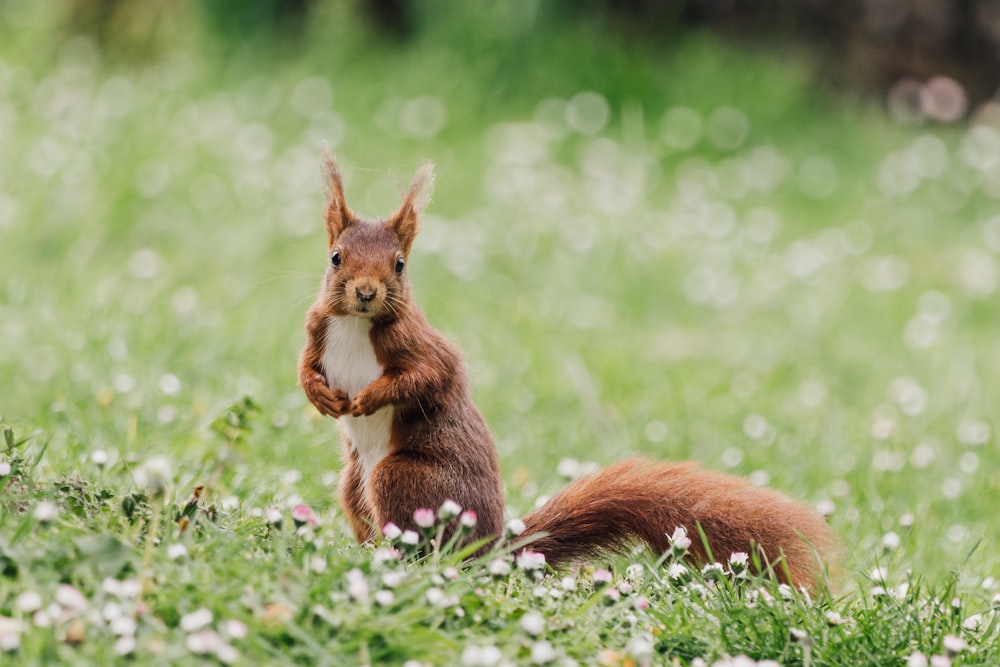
[406, 221]
[338, 216]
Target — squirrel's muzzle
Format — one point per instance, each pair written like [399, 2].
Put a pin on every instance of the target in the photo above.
[366, 295]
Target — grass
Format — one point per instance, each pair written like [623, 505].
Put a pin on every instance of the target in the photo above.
[769, 281]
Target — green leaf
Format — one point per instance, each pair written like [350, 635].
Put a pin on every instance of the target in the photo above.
[8, 560]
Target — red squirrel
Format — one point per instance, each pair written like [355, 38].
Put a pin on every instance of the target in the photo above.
[413, 437]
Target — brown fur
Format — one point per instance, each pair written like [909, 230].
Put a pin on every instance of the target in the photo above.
[644, 501]
[441, 448]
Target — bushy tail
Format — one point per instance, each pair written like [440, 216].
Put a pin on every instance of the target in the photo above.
[641, 500]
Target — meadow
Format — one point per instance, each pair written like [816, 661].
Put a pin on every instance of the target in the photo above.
[691, 251]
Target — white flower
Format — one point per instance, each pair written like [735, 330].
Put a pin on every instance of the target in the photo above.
[515, 527]
[226, 653]
[123, 626]
[568, 584]
[111, 611]
[435, 596]
[176, 550]
[357, 585]
[531, 560]
[112, 586]
[879, 574]
[568, 468]
[954, 644]
[713, 571]
[410, 538]
[155, 475]
[234, 629]
[533, 623]
[679, 541]
[916, 659]
[635, 571]
[4, 468]
[10, 633]
[834, 618]
[99, 458]
[393, 579]
[385, 555]
[273, 516]
[542, 653]
[391, 531]
[204, 642]
[317, 564]
[45, 512]
[468, 519]
[196, 620]
[799, 636]
[384, 597]
[42, 618]
[973, 623]
[891, 541]
[677, 572]
[449, 510]
[697, 589]
[71, 598]
[124, 645]
[481, 656]
[130, 588]
[28, 602]
[602, 577]
[825, 507]
[640, 646]
[738, 563]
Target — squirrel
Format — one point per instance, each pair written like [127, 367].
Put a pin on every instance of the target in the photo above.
[413, 437]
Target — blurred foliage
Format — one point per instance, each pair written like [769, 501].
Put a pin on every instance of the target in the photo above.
[867, 44]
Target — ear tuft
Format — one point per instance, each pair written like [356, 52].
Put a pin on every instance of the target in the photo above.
[418, 196]
[406, 221]
[337, 216]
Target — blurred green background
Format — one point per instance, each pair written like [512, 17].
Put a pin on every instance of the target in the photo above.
[695, 230]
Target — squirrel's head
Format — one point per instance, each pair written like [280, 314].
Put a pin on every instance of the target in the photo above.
[366, 259]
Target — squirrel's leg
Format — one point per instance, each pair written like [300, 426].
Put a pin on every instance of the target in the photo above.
[352, 500]
[402, 483]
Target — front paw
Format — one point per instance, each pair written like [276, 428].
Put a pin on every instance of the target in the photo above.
[330, 402]
[365, 403]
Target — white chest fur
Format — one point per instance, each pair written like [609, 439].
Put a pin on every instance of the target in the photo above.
[350, 364]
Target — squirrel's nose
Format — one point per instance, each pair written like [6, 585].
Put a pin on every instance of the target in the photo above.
[365, 294]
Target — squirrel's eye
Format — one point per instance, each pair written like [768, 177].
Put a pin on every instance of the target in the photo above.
[335, 259]
[399, 265]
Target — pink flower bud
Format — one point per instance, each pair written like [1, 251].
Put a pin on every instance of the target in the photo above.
[423, 517]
